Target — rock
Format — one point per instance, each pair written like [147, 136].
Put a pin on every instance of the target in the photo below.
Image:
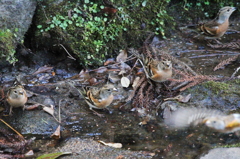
[17, 15]
[223, 153]
[88, 148]
[15, 19]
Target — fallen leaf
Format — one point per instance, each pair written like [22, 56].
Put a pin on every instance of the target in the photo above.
[32, 107]
[56, 134]
[113, 78]
[125, 82]
[114, 145]
[180, 98]
[124, 68]
[29, 153]
[49, 110]
[109, 61]
[53, 155]
[101, 70]
[43, 69]
[136, 81]
[122, 56]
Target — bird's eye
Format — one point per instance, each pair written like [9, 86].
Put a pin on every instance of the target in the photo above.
[228, 10]
[15, 91]
[214, 121]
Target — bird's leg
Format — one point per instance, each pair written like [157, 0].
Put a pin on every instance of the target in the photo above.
[96, 113]
[10, 111]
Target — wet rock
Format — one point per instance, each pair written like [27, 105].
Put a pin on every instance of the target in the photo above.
[88, 148]
[223, 153]
[17, 14]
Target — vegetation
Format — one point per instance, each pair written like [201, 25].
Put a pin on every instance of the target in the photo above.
[93, 33]
[7, 45]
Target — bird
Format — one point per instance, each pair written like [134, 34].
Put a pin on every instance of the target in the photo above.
[156, 70]
[98, 98]
[159, 71]
[214, 119]
[16, 97]
[225, 124]
[215, 28]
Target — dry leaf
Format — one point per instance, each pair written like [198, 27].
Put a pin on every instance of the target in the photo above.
[136, 81]
[109, 61]
[124, 68]
[186, 98]
[114, 145]
[122, 56]
[56, 134]
[113, 78]
[49, 110]
[101, 70]
[180, 98]
[125, 82]
[43, 69]
[29, 153]
[84, 74]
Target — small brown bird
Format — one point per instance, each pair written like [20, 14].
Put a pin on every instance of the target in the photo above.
[98, 98]
[156, 70]
[226, 124]
[184, 117]
[215, 28]
[159, 71]
[16, 97]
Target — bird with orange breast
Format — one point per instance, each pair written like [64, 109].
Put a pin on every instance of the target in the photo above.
[97, 97]
[156, 70]
[215, 28]
[215, 119]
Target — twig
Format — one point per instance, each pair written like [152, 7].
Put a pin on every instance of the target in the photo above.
[235, 72]
[70, 56]
[59, 110]
[13, 129]
[210, 55]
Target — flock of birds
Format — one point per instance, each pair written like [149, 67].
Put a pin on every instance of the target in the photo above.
[159, 71]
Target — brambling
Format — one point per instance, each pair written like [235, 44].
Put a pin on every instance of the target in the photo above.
[98, 98]
[215, 28]
[159, 71]
[16, 97]
[226, 124]
[156, 70]
[217, 120]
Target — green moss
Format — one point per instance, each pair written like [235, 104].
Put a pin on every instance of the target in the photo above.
[217, 87]
[229, 146]
[7, 46]
[93, 35]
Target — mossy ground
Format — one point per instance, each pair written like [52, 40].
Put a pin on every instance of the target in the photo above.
[7, 46]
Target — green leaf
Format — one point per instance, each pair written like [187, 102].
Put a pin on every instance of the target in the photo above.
[144, 3]
[86, 1]
[53, 155]
[39, 26]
